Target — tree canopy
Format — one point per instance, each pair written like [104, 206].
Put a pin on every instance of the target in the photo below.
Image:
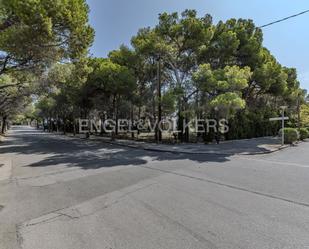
[184, 67]
[34, 35]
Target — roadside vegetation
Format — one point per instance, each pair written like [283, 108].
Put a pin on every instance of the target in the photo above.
[185, 67]
[34, 35]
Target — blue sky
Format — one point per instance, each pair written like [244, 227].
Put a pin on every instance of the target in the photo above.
[116, 21]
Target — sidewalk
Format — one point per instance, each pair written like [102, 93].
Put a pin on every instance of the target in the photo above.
[253, 146]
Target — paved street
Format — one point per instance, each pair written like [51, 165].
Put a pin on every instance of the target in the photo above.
[58, 192]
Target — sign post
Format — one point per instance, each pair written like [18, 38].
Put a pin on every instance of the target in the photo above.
[282, 118]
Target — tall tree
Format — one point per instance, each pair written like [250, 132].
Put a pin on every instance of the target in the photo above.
[223, 86]
[35, 33]
[112, 82]
[175, 42]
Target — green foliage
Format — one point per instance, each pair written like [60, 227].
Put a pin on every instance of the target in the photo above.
[169, 100]
[271, 78]
[250, 123]
[228, 101]
[176, 42]
[45, 106]
[304, 115]
[304, 133]
[291, 135]
[112, 78]
[34, 35]
[39, 32]
[15, 92]
[221, 80]
[223, 86]
[204, 70]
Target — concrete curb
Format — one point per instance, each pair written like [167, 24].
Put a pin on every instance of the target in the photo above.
[191, 152]
[141, 147]
[165, 151]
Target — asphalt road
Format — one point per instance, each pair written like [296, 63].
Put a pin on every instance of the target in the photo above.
[65, 193]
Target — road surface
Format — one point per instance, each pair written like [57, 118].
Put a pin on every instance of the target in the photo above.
[65, 193]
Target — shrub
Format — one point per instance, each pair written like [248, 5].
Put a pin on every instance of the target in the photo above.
[291, 135]
[304, 133]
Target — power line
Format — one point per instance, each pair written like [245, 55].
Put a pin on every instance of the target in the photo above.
[284, 19]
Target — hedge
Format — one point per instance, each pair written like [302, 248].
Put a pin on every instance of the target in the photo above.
[304, 133]
[291, 135]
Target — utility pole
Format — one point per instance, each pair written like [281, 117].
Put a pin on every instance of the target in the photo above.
[159, 132]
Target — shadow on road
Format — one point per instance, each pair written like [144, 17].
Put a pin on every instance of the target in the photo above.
[86, 154]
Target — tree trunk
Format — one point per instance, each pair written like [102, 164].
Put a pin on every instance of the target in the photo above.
[64, 126]
[180, 126]
[3, 129]
[132, 117]
[183, 134]
[187, 132]
[114, 116]
[159, 132]
[57, 125]
[74, 127]
[49, 125]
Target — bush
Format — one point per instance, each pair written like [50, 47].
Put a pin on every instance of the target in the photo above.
[291, 135]
[304, 133]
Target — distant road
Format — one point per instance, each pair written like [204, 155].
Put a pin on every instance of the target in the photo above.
[65, 193]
